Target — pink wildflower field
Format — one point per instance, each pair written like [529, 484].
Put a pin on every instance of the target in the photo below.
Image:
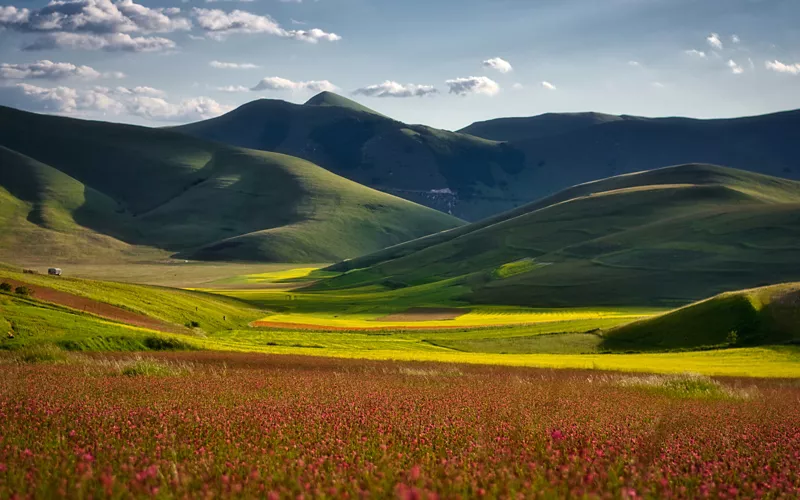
[235, 425]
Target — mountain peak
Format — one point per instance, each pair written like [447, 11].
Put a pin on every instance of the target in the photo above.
[333, 99]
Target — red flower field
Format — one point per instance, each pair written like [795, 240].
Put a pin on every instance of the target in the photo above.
[219, 425]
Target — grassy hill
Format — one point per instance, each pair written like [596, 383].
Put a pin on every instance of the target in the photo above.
[767, 315]
[83, 190]
[661, 237]
[494, 166]
[32, 319]
[412, 161]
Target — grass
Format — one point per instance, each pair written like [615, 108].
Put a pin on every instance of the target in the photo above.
[170, 193]
[686, 385]
[767, 315]
[665, 238]
[377, 151]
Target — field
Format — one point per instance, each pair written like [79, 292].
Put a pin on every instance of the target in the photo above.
[283, 426]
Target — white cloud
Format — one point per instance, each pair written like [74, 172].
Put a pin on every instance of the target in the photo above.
[518, 86]
[635, 64]
[230, 65]
[735, 68]
[735, 39]
[792, 69]
[498, 64]
[695, 53]
[145, 102]
[657, 85]
[111, 42]
[93, 16]
[473, 85]
[233, 88]
[549, 86]
[48, 70]
[278, 83]
[95, 25]
[219, 24]
[394, 89]
[714, 41]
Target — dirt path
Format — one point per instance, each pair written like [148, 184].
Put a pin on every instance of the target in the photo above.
[95, 307]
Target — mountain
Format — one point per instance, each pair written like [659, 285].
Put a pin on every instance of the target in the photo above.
[84, 190]
[455, 173]
[494, 166]
[662, 237]
[761, 316]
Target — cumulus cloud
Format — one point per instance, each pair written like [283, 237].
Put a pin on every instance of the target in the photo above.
[498, 64]
[112, 42]
[230, 65]
[735, 39]
[218, 24]
[695, 53]
[792, 69]
[93, 16]
[473, 85]
[518, 86]
[95, 25]
[548, 86]
[144, 102]
[735, 68]
[635, 64]
[714, 41]
[278, 83]
[394, 89]
[48, 70]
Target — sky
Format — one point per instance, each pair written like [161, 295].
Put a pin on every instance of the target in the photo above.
[443, 63]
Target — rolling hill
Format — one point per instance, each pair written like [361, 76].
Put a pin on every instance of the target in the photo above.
[662, 237]
[452, 172]
[76, 190]
[760, 316]
[494, 166]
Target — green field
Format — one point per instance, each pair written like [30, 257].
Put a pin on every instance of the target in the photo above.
[514, 336]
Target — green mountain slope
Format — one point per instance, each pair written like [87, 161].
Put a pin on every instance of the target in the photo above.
[516, 161]
[82, 190]
[767, 315]
[452, 172]
[660, 237]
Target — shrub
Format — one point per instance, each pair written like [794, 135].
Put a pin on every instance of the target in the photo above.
[23, 291]
[5, 287]
[733, 337]
[192, 324]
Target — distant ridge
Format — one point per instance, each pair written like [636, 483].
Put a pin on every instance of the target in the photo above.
[490, 167]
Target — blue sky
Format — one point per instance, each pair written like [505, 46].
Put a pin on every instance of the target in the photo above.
[441, 63]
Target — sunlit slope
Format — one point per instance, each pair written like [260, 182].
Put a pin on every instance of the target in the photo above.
[75, 189]
[767, 315]
[655, 238]
[452, 172]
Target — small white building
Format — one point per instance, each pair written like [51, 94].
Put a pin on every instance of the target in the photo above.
[54, 271]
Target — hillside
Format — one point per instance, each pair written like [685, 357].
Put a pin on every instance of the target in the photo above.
[662, 237]
[75, 190]
[761, 316]
[455, 173]
[494, 166]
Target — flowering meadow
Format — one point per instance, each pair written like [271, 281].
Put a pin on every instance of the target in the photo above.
[244, 425]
